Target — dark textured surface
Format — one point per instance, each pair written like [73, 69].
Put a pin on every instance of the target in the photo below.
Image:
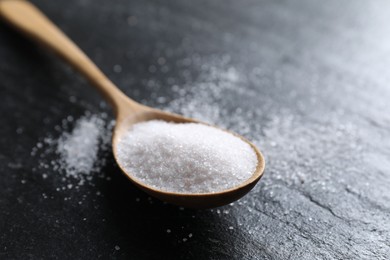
[315, 72]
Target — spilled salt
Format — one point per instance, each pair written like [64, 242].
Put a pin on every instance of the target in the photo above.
[78, 150]
[199, 98]
[185, 158]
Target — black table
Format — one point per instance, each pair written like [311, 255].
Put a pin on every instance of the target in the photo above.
[311, 76]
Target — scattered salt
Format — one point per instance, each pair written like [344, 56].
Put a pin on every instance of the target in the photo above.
[185, 158]
[78, 150]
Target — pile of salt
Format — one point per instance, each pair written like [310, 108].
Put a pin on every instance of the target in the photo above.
[185, 158]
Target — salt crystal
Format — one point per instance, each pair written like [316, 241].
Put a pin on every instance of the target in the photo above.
[161, 100]
[168, 231]
[72, 99]
[117, 68]
[117, 248]
[132, 20]
[161, 61]
[152, 69]
[185, 158]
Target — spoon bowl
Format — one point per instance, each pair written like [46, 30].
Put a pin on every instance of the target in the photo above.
[189, 200]
[29, 20]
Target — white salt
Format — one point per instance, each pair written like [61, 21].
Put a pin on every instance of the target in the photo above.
[117, 68]
[79, 149]
[185, 158]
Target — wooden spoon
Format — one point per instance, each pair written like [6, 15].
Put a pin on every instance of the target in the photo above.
[30, 21]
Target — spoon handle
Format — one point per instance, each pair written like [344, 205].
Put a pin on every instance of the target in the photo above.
[25, 17]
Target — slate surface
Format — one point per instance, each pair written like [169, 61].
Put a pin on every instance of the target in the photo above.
[316, 73]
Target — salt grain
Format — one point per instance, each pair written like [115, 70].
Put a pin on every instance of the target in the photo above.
[117, 68]
[19, 130]
[185, 158]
